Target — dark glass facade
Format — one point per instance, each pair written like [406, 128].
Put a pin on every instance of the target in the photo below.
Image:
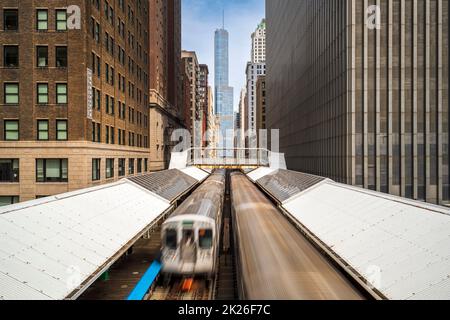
[363, 106]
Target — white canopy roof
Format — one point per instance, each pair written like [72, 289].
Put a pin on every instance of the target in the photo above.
[53, 248]
[400, 247]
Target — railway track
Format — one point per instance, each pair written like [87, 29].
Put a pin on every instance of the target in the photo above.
[225, 287]
[275, 260]
[200, 290]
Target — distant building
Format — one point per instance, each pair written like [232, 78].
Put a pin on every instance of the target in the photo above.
[74, 102]
[212, 122]
[192, 66]
[204, 100]
[261, 103]
[243, 116]
[254, 70]
[223, 92]
[361, 105]
[259, 43]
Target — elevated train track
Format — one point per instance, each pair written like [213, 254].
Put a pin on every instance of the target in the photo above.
[274, 260]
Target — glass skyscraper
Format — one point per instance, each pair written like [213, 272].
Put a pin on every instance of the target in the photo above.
[223, 92]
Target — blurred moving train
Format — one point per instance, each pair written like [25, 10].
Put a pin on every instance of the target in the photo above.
[190, 236]
[273, 260]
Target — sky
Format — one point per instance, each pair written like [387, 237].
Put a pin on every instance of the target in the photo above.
[200, 18]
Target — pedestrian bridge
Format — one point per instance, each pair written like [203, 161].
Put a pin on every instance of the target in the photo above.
[231, 158]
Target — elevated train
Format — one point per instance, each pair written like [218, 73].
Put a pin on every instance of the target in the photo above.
[191, 235]
[273, 259]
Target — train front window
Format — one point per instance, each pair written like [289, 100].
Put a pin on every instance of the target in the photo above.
[205, 238]
[171, 239]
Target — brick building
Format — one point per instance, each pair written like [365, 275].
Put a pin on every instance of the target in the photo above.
[73, 99]
[203, 97]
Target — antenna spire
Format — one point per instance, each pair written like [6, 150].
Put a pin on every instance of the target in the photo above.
[223, 19]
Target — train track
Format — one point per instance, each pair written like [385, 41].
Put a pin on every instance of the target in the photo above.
[200, 290]
[225, 287]
[275, 260]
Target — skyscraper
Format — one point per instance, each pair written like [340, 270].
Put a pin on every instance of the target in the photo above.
[259, 43]
[223, 92]
[194, 104]
[362, 104]
[255, 69]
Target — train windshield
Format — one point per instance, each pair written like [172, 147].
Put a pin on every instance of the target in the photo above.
[171, 239]
[205, 238]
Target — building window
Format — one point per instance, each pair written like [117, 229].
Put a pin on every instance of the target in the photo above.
[42, 93]
[145, 165]
[42, 20]
[42, 133]
[113, 138]
[9, 170]
[11, 130]
[99, 67]
[96, 169]
[51, 170]
[107, 134]
[11, 56]
[139, 166]
[61, 93]
[99, 133]
[10, 19]
[131, 166]
[121, 167]
[93, 132]
[109, 168]
[97, 32]
[99, 100]
[61, 57]
[8, 200]
[42, 56]
[61, 20]
[61, 130]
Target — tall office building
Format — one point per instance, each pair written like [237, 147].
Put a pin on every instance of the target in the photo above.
[204, 101]
[255, 69]
[259, 43]
[243, 116]
[165, 70]
[193, 106]
[73, 95]
[261, 103]
[212, 123]
[223, 92]
[363, 105]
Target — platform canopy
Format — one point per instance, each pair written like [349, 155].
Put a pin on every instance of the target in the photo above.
[56, 247]
[400, 248]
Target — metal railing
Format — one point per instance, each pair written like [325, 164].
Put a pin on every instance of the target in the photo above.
[254, 157]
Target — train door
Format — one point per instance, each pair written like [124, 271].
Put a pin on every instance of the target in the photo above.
[188, 246]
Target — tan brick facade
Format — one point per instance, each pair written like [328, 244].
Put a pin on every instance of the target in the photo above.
[82, 46]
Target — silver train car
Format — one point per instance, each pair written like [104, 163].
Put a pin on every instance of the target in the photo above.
[191, 235]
